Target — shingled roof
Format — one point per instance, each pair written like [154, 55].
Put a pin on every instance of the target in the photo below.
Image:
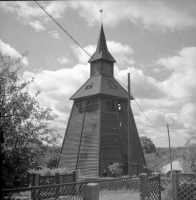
[98, 85]
[102, 50]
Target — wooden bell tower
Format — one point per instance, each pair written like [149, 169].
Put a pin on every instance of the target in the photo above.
[97, 130]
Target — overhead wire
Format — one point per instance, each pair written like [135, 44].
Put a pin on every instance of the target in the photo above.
[147, 117]
[84, 49]
[62, 28]
[143, 112]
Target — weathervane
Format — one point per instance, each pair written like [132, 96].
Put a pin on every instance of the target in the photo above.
[101, 15]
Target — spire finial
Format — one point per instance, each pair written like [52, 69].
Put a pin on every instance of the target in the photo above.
[101, 16]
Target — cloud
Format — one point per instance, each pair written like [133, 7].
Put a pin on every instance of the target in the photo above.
[121, 53]
[142, 86]
[31, 14]
[178, 107]
[63, 60]
[56, 8]
[23, 9]
[81, 55]
[181, 83]
[7, 50]
[187, 115]
[151, 15]
[37, 25]
[183, 60]
[56, 88]
[54, 34]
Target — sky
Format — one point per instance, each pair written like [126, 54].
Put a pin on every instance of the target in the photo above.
[153, 40]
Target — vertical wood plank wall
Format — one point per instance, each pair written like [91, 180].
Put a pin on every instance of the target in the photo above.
[110, 148]
[88, 160]
[100, 142]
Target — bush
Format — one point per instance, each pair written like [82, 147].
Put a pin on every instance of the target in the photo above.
[115, 169]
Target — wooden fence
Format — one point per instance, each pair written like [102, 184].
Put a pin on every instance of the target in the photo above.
[150, 187]
[38, 180]
[184, 186]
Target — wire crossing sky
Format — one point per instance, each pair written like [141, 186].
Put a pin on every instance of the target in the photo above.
[62, 28]
[154, 41]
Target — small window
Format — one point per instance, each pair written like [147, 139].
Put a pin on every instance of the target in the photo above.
[81, 109]
[116, 105]
[113, 105]
[88, 104]
[120, 106]
[113, 86]
[89, 86]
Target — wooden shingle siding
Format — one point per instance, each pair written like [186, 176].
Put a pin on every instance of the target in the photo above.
[72, 138]
[89, 148]
[88, 156]
[111, 143]
[110, 149]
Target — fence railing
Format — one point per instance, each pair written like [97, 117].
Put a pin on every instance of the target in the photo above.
[154, 188]
[184, 186]
[108, 188]
[66, 190]
[38, 180]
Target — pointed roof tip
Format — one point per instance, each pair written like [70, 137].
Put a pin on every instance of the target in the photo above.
[102, 49]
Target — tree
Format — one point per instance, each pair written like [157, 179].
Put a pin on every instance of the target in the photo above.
[26, 132]
[147, 145]
[154, 162]
[188, 154]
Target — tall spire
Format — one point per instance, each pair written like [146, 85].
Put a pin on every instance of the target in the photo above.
[102, 50]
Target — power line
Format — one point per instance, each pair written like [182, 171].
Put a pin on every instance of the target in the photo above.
[147, 117]
[84, 49]
[62, 28]
[145, 114]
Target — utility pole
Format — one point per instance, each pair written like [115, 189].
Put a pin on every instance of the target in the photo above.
[129, 131]
[169, 146]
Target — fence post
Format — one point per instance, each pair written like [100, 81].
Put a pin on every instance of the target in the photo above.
[159, 186]
[34, 179]
[174, 185]
[91, 191]
[144, 187]
[31, 180]
[57, 181]
[76, 174]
